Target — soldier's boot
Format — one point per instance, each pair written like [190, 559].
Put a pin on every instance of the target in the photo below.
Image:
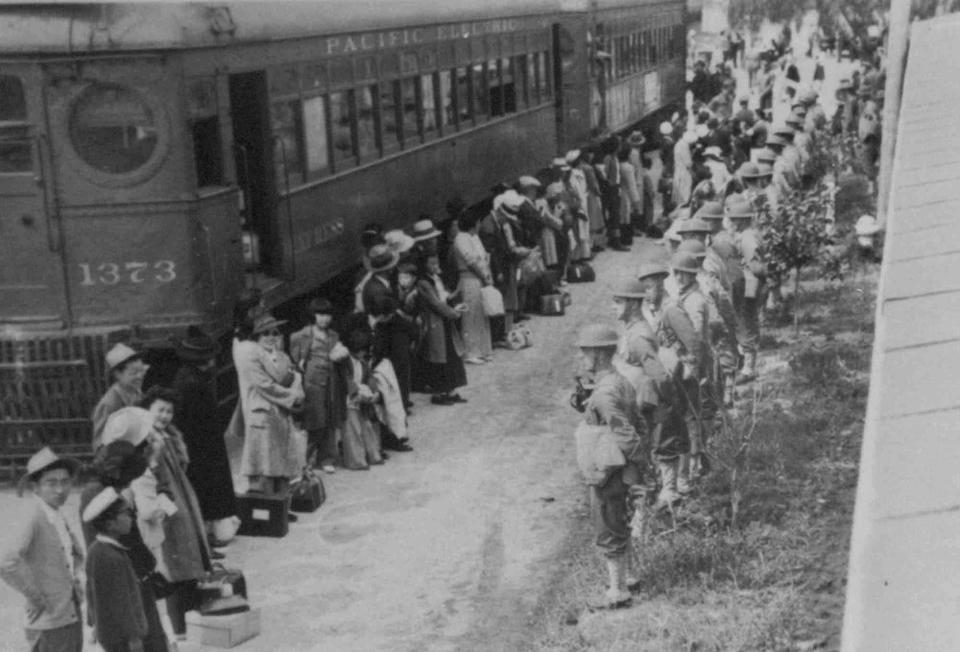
[749, 373]
[616, 596]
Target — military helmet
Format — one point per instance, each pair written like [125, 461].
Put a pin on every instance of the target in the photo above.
[685, 262]
[694, 247]
[597, 336]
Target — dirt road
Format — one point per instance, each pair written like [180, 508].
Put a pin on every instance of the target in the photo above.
[444, 548]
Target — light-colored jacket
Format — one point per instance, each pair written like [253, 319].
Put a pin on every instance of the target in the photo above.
[36, 567]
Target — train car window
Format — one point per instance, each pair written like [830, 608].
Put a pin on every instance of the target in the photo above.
[13, 103]
[409, 91]
[533, 76]
[112, 129]
[315, 135]
[464, 94]
[652, 48]
[287, 151]
[635, 52]
[343, 154]
[14, 139]
[481, 90]
[494, 90]
[207, 152]
[644, 49]
[545, 93]
[367, 123]
[432, 116]
[390, 115]
[520, 81]
[508, 84]
[448, 99]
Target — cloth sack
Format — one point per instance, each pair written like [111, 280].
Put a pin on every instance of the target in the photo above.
[531, 268]
[597, 452]
[492, 301]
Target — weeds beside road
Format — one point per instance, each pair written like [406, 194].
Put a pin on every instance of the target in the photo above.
[758, 560]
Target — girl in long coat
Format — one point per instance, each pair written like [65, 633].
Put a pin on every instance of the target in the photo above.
[442, 347]
[209, 469]
[269, 391]
[186, 557]
[317, 352]
[361, 434]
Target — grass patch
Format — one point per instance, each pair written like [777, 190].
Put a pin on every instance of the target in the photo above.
[757, 562]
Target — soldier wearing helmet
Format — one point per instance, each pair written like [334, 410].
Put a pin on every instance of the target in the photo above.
[610, 413]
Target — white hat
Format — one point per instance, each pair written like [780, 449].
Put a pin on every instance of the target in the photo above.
[867, 225]
[398, 241]
[508, 202]
[702, 130]
[99, 504]
[572, 156]
[561, 163]
[713, 152]
[119, 354]
[666, 128]
[45, 459]
[526, 181]
[131, 424]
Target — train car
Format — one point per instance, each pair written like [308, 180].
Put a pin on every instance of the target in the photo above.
[157, 160]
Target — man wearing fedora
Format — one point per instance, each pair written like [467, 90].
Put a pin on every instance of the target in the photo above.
[195, 416]
[127, 369]
[392, 332]
[44, 561]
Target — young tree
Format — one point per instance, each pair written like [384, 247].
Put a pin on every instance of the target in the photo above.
[795, 236]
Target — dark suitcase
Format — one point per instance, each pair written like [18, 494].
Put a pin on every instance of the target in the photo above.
[262, 515]
[213, 584]
[552, 304]
[307, 493]
[581, 273]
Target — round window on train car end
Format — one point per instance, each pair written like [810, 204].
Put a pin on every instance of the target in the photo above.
[113, 129]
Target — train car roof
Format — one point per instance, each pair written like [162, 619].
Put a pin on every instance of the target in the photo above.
[108, 27]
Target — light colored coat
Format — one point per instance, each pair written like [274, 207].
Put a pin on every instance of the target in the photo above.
[37, 568]
[267, 394]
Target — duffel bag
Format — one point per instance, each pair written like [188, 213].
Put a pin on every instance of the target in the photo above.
[307, 493]
[552, 304]
[492, 301]
[581, 273]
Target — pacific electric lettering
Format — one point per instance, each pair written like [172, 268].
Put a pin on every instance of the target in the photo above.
[371, 41]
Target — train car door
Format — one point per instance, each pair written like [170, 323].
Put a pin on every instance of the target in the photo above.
[253, 152]
[32, 285]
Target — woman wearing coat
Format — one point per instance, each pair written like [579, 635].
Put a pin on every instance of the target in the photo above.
[473, 266]
[209, 470]
[186, 556]
[269, 392]
[442, 347]
[317, 352]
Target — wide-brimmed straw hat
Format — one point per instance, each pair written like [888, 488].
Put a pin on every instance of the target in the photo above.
[750, 170]
[424, 230]
[266, 322]
[131, 424]
[381, 258]
[399, 241]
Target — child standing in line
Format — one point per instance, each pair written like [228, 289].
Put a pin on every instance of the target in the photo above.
[361, 434]
[113, 594]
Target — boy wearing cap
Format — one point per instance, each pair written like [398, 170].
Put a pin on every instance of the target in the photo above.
[128, 371]
[613, 405]
[44, 561]
[116, 606]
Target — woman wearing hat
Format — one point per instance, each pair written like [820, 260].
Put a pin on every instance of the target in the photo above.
[127, 370]
[441, 349]
[318, 353]
[209, 470]
[45, 557]
[269, 392]
[473, 266]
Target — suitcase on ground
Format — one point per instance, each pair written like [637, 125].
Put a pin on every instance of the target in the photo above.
[552, 304]
[567, 299]
[307, 493]
[221, 592]
[581, 273]
[262, 515]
